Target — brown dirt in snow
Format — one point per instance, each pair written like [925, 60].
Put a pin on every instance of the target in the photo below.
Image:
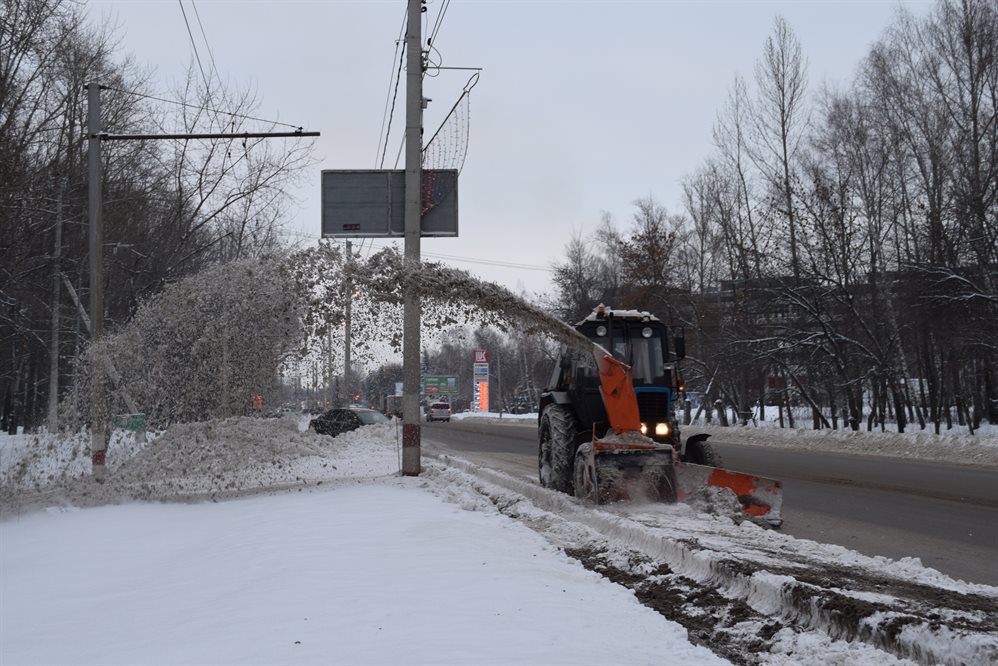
[921, 600]
[813, 599]
[701, 610]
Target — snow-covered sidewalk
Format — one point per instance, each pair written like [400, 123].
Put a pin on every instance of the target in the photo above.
[367, 568]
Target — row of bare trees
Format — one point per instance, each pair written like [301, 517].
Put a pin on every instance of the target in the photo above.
[170, 209]
[839, 249]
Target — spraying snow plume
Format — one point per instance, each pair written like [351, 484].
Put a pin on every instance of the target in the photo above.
[197, 350]
[203, 346]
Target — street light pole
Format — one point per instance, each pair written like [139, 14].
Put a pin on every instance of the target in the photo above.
[413, 213]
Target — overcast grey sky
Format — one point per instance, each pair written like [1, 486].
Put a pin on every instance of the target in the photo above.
[582, 107]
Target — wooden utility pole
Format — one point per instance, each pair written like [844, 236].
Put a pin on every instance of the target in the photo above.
[411, 310]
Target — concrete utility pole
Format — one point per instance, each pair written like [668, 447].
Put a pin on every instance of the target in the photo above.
[346, 334]
[411, 309]
[98, 433]
[53, 418]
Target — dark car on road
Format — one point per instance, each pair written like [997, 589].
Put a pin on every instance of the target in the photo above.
[337, 421]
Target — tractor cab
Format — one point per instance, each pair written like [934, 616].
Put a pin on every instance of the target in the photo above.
[639, 340]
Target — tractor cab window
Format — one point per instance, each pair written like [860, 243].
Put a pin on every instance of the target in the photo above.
[646, 360]
[644, 355]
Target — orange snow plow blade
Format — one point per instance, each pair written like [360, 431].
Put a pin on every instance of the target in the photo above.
[760, 497]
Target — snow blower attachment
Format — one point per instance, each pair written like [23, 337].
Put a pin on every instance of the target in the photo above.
[606, 431]
[623, 464]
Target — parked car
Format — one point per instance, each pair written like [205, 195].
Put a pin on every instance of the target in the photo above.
[340, 420]
[439, 411]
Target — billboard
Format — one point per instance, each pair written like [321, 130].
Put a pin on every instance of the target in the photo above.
[370, 203]
[440, 384]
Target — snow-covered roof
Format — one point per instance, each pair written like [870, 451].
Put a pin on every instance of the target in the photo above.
[618, 314]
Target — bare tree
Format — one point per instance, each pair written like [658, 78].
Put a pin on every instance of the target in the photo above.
[779, 122]
[577, 279]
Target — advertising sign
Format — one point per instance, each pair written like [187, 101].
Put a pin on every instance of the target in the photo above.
[481, 356]
[440, 384]
[365, 203]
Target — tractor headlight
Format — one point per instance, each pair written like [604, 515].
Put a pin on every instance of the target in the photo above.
[644, 428]
[600, 331]
[646, 332]
[661, 429]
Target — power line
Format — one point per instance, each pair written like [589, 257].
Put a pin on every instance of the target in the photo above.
[399, 155]
[211, 53]
[398, 77]
[436, 26]
[198, 106]
[399, 43]
[489, 262]
[485, 262]
[197, 55]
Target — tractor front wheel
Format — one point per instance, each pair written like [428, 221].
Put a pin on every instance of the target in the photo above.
[699, 452]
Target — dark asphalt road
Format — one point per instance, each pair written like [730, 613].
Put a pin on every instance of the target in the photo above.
[946, 515]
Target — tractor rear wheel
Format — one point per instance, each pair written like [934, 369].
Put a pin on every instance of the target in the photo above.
[556, 455]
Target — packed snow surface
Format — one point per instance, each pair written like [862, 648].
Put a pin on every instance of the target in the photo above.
[367, 568]
[257, 541]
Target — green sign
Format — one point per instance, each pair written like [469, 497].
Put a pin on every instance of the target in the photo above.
[135, 422]
[440, 384]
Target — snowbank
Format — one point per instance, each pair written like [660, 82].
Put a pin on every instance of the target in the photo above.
[959, 448]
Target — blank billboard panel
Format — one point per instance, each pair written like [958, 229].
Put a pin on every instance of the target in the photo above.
[371, 203]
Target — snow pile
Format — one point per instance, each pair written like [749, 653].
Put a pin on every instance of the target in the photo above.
[229, 457]
[495, 417]
[962, 448]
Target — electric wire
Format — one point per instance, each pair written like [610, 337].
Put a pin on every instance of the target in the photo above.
[431, 46]
[391, 115]
[439, 22]
[197, 55]
[198, 106]
[487, 262]
[399, 155]
[399, 43]
[471, 260]
[211, 53]
[214, 71]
